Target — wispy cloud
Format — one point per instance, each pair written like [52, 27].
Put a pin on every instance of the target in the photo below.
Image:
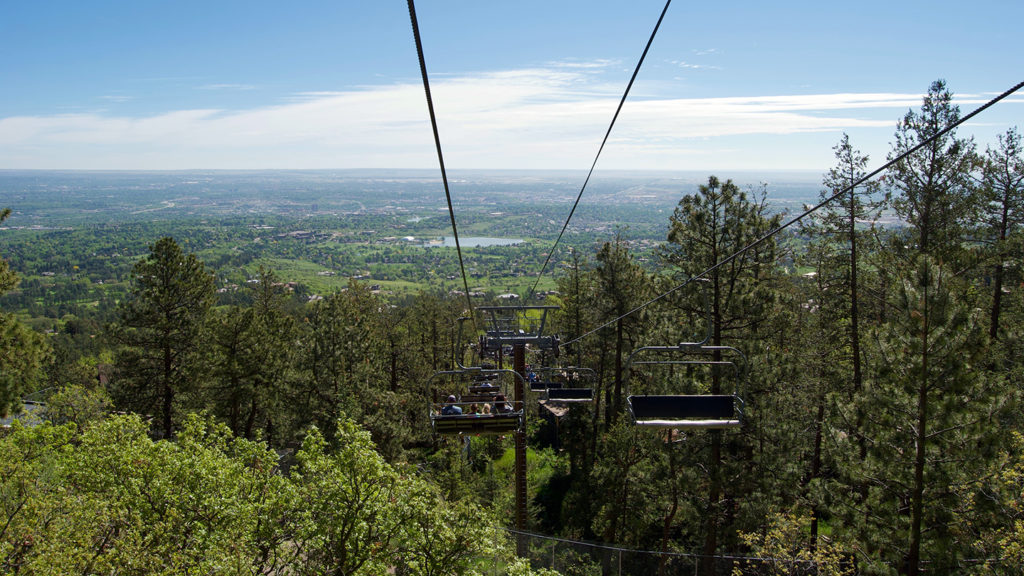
[599, 64]
[691, 66]
[117, 98]
[227, 87]
[532, 118]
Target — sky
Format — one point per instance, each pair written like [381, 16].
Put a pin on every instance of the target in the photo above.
[175, 85]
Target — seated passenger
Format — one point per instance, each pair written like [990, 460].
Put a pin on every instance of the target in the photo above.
[500, 405]
[485, 410]
[451, 409]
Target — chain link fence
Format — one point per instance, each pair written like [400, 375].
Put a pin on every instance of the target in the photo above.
[575, 558]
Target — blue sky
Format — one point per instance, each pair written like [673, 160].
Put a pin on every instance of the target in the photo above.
[520, 85]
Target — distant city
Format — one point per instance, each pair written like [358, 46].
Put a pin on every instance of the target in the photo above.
[55, 199]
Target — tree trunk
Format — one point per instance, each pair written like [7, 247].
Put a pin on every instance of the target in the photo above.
[711, 514]
[670, 516]
[168, 392]
[997, 276]
[997, 299]
[250, 421]
[819, 422]
[617, 398]
[921, 436]
[858, 378]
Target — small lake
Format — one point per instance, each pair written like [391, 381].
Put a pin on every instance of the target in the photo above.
[475, 242]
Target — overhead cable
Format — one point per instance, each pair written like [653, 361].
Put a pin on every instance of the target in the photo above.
[437, 143]
[603, 142]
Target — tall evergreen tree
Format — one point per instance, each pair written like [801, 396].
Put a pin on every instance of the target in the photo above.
[705, 229]
[933, 193]
[576, 316]
[1002, 186]
[159, 330]
[621, 286]
[841, 222]
[230, 362]
[348, 359]
[832, 354]
[928, 415]
[250, 358]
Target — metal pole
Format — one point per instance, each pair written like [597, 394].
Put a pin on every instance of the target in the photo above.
[519, 361]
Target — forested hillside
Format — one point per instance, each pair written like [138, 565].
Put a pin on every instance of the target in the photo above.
[258, 429]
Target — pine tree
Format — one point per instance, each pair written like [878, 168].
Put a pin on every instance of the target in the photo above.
[1002, 187]
[841, 222]
[706, 229]
[832, 355]
[621, 286]
[159, 330]
[23, 352]
[928, 416]
[932, 186]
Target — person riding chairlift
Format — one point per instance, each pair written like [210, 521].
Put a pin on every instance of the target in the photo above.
[451, 409]
[501, 406]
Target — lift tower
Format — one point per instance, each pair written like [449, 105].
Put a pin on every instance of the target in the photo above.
[515, 328]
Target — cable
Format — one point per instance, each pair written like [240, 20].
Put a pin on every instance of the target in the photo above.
[805, 213]
[437, 143]
[622, 101]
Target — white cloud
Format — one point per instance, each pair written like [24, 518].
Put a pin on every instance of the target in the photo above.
[691, 66]
[551, 117]
[227, 87]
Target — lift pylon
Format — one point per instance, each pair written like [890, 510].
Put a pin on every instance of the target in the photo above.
[512, 329]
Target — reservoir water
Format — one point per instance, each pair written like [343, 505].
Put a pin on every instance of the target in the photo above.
[475, 242]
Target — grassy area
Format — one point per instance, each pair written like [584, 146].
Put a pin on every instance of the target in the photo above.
[310, 275]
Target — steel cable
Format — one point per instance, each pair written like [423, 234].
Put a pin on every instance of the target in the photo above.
[440, 156]
[622, 101]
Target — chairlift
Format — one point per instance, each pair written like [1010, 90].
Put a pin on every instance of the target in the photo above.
[507, 326]
[714, 411]
[505, 417]
[566, 384]
[695, 410]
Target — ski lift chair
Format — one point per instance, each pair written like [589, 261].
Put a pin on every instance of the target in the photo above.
[715, 411]
[571, 390]
[497, 422]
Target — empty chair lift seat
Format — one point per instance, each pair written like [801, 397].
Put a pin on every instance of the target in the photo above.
[694, 411]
